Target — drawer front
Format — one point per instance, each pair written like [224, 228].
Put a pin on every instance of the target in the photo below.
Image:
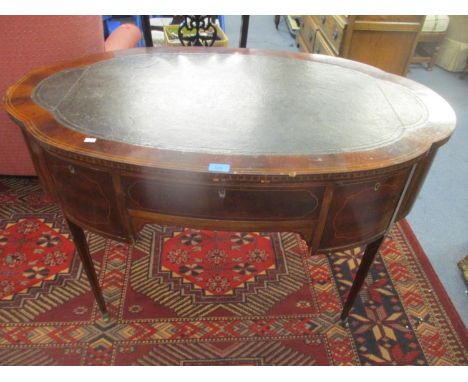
[334, 33]
[360, 211]
[308, 31]
[332, 30]
[301, 44]
[217, 202]
[321, 46]
[320, 21]
[86, 195]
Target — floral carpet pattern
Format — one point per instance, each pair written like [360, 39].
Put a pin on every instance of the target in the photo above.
[191, 297]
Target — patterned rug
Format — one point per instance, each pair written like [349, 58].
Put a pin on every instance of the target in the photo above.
[190, 297]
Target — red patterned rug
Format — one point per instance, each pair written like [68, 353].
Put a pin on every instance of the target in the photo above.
[190, 297]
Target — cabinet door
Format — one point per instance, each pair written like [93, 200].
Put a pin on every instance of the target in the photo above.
[387, 42]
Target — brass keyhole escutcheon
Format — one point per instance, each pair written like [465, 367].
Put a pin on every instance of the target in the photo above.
[222, 193]
[376, 186]
[71, 169]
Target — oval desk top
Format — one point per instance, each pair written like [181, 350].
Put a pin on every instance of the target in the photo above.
[253, 110]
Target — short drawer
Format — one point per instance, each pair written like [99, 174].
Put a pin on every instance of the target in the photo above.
[321, 21]
[334, 32]
[321, 46]
[332, 28]
[218, 202]
[362, 210]
[86, 195]
[308, 31]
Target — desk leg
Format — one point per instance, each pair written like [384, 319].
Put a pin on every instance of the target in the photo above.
[81, 245]
[277, 20]
[369, 255]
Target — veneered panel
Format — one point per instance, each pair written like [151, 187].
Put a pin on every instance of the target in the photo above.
[218, 202]
[86, 195]
[389, 51]
[362, 210]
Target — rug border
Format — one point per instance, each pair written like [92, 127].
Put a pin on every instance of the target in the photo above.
[435, 281]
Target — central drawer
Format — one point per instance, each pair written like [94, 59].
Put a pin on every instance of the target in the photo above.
[250, 202]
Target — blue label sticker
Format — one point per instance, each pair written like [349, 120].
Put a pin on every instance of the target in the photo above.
[219, 167]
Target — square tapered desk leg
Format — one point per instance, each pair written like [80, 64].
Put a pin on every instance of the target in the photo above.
[366, 262]
[81, 245]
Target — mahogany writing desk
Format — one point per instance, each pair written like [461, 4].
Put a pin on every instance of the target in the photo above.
[226, 139]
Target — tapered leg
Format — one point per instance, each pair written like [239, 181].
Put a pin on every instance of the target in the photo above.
[81, 245]
[244, 31]
[277, 20]
[366, 262]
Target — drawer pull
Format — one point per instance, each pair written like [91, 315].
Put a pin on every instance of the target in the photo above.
[376, 186]
[71, 169]
[335, 34]
[222, 193]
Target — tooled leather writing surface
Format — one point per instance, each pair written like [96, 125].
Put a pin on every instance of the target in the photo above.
[238, 104]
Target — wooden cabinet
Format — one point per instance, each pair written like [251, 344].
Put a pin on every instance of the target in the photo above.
[386, 42]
